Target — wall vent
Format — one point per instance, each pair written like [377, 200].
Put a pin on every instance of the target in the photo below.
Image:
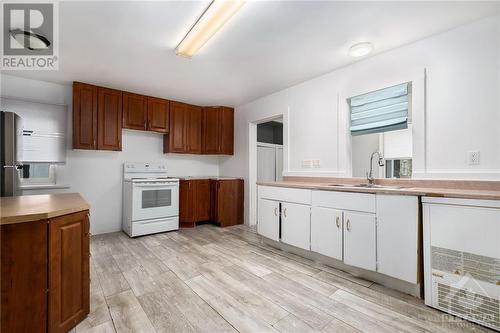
[469, 305]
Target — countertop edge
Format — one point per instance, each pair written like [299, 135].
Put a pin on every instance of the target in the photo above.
[412, 191]
[51, 212]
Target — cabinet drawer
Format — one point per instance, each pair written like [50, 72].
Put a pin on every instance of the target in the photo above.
[361, 202]
[285, 194]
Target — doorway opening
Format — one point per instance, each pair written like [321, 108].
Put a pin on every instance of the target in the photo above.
[266, 157]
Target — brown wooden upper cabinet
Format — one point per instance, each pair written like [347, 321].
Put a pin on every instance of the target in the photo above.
[97, 117]
[135, 111]
[145, 113]
[109, 119]
[218, 130]
[185, 129]
[99, 114]
[195, 130]
[158, 115]
[84, 116]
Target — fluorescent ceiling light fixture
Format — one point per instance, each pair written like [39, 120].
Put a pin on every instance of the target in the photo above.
[30, 40]
[214, 17]
[360, 49]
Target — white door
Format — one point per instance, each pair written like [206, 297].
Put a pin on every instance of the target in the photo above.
[397, 236]
[326, 232]
[296, 225]
[279, 164]
[266, 164]
[268, 222]
[360, 240]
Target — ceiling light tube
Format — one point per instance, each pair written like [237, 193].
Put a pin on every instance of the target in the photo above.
[214, 17]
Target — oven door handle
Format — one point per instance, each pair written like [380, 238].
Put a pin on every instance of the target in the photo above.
[169, 185]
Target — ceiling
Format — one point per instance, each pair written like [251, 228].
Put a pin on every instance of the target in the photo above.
[266, 47]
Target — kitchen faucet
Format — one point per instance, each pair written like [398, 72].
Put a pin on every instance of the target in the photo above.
[369, 177]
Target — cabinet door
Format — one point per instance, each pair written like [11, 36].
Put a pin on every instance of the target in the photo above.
[268, 224]
[360, 240]
[194, 129]
[326, 232]
[175, 141]
[201, 202]
[229, 203]
[134, 111]
[109, 123]
[186, 211]
[23, 277]
[68, 271]
[84, 116]
[226, 131]
[398, 236]
[158, 115]
[211, 130]
[296, 225]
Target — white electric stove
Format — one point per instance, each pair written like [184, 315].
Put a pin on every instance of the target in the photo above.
[150, 199]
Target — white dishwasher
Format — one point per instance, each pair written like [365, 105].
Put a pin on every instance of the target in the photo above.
[462, 258]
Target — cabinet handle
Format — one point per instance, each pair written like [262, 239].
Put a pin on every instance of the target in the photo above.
[145, 124]
[348, 225]
[337, 222]
[275, 211]
[284, 212]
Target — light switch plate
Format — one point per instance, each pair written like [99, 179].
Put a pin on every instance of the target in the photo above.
[474, 158]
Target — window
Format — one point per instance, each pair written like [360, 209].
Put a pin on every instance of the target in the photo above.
[37, 174]
[380, 111]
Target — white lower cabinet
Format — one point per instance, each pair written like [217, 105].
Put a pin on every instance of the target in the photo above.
[326, 231]
[360, 243]
[269, 219]
[295, 224]
[376, 232]
[397, 236]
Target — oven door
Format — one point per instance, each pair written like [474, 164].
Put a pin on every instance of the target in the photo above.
[153, 200]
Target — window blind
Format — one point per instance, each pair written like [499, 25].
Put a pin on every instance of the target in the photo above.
[380, 111]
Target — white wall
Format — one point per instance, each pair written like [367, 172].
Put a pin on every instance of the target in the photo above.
[97, 175]
[456, 108]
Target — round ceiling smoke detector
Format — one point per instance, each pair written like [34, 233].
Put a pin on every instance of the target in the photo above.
[30, 40]
[360, 49]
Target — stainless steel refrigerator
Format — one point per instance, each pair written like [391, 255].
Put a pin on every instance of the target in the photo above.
[9, 178]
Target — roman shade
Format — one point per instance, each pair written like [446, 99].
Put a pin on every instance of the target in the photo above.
[380, 111]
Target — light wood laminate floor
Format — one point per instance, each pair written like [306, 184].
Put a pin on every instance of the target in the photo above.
[211, 279]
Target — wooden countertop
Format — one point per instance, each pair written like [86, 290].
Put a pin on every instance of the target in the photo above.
[466, 191]
[26, 208]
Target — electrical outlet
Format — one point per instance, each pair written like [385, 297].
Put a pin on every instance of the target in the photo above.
[474, 158]
[307, 164]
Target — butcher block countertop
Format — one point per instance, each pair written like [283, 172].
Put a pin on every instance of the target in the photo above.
[28, 208]
[484, 190]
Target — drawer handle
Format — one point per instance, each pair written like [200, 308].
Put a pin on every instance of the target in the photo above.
[348, 225]
[337, 222]
[284, 212]
[275, 211]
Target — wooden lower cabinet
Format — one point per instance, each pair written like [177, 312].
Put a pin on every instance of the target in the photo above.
[227, 202]
[219, 201]
[68, 271]
[45, 274]
[194, 202]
